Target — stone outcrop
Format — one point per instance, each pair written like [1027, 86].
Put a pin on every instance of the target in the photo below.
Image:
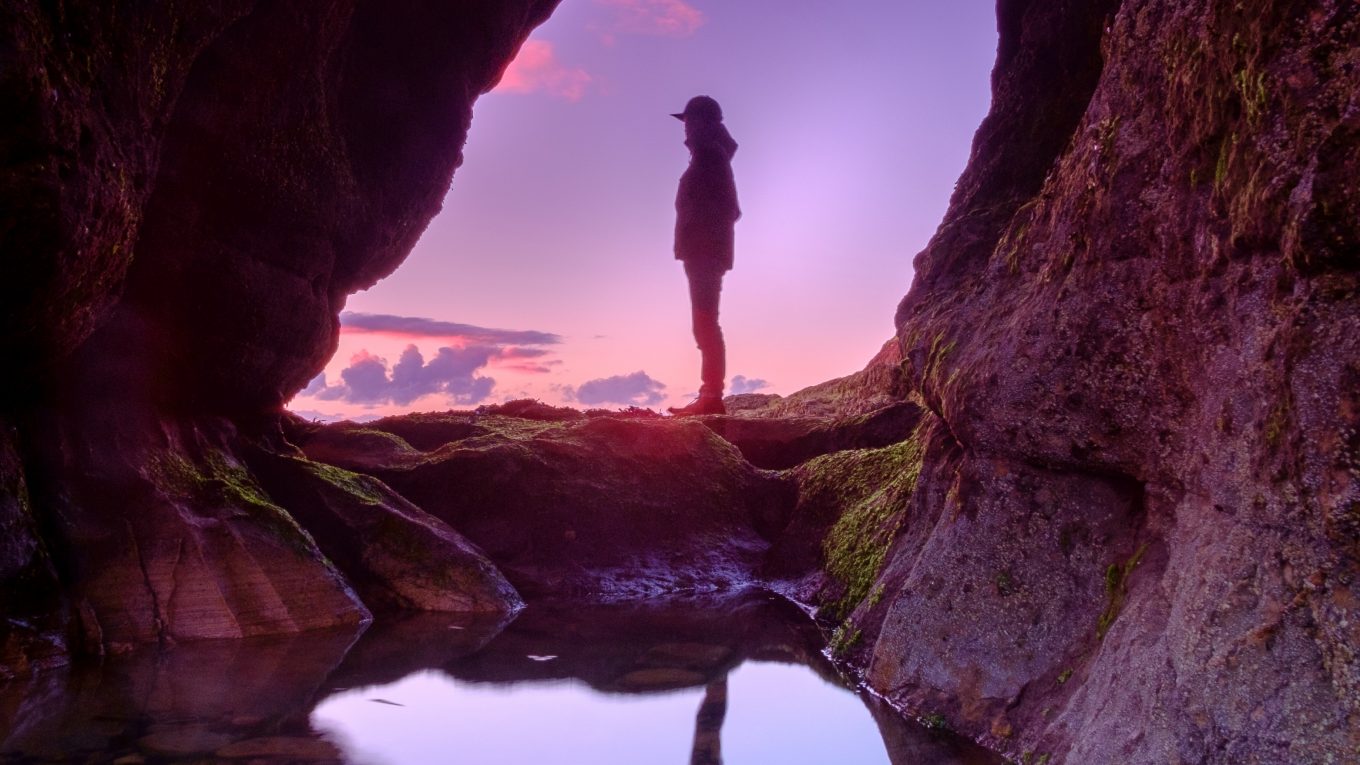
[32, 627]
[190, 192]
[164, 536]
[601, 507]
[1132, 534]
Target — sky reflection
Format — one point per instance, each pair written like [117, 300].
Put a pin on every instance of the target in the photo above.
[776, 713]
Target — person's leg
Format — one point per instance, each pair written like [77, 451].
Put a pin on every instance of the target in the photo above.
[705, 287]
[707, 749]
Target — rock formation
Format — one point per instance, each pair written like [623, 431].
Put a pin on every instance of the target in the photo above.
[605, 508]
[1098, 501]
[190, 193]
[1133, 537]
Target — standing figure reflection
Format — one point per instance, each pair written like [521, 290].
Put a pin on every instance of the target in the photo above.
[708, 724]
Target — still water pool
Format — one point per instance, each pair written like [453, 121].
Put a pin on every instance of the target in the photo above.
[737, 681]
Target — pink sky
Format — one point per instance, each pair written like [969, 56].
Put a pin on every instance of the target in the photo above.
[549, 273]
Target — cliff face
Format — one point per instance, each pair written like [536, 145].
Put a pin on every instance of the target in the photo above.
[1134, 533]
[190, 193]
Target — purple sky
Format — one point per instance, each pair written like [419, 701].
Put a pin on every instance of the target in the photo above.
[854, 120]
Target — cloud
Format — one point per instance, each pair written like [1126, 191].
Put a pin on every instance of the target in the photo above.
[456, 371]
[744, 384]
[452, 372]
[419, 327]
[636, 389]
[651, 18]
[523, 353]
[536, 69]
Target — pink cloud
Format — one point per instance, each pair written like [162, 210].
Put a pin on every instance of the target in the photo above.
[654, 18]
[524, 360]
[528, 369]
[536, 69]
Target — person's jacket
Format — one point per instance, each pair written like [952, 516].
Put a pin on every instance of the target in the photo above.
[706, 204]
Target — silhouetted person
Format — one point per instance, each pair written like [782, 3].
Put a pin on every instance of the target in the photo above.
[706, 212]
[707, 749]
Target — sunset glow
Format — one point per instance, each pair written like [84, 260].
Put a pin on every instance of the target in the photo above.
[853, 128]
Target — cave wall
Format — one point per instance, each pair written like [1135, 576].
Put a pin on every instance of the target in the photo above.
[190, 194]
[1135, 536]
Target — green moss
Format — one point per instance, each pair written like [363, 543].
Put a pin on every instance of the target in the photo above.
[219, 480]
[872, 486]
[1116, 590]
[1016, 235]
[1275, 423]
[236, 481]
[940, 350]
[519, 428]
[844, 638]
[876, 595]
[1252, 90]
[395, 440]
[354, 484]
[935, 721]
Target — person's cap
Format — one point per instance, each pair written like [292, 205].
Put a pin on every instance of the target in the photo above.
[701, 108]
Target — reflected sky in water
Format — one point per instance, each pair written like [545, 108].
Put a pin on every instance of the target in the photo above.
[738, 678]
[775, 713]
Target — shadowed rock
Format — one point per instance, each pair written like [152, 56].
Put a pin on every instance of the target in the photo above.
[1133, 538]
[32, 623]
[776, 443]
[169, 537]
[605, 507]
[189, 228]
[395, 554]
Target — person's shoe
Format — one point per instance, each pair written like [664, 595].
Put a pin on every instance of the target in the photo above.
[701, 405]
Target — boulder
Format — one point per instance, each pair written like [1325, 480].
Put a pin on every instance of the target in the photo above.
[170, 537]
[395, 555]
[775, 443]
[602, 507]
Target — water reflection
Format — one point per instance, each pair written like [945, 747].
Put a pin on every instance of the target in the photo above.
[740, 680]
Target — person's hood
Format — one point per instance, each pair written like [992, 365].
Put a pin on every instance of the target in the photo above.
[712, 139]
